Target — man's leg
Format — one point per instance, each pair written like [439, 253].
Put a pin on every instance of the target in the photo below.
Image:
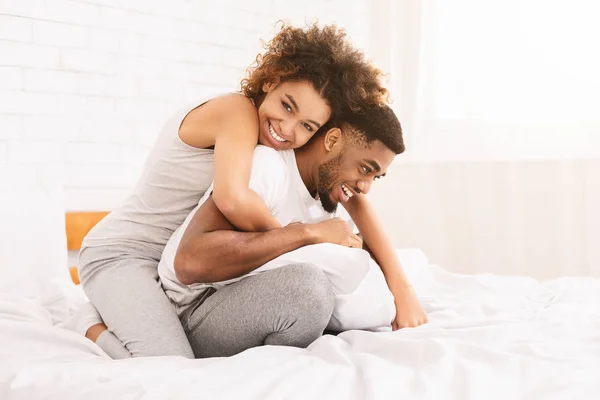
[126, 292]
[288, 306]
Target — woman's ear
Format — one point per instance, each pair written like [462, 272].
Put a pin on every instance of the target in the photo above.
[333, 137]
[268, 86]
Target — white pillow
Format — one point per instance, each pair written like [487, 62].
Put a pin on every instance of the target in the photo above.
[362, 298]
[345, 267]
[33, 248]
[369, 307]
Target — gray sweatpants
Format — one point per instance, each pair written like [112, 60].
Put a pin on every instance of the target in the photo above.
[288, 306]
[124, 288]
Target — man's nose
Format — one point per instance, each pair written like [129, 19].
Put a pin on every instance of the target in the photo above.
[364, 185]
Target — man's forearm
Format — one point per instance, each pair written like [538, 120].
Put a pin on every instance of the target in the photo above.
[221, 255]
[377, 242]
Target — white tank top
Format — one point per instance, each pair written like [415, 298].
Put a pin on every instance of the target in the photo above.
[174, 179]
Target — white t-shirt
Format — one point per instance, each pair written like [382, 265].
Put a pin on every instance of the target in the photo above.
[275, 178]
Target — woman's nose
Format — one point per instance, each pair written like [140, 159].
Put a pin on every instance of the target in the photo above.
[287, 127]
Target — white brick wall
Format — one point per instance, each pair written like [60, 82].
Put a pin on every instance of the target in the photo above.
[15, 28]
[85, 85]
[11, 78]
[28, 55]
[10, 127]
[3, 153]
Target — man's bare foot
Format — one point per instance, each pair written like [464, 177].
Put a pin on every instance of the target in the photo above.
[94, 331]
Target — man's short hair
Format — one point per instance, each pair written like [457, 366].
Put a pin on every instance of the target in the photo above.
[375, 123]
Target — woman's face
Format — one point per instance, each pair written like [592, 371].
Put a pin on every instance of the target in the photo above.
[290, 114]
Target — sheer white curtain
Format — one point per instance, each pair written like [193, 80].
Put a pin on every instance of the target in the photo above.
[500, 102]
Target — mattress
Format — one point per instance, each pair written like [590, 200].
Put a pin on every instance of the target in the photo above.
[489, 337]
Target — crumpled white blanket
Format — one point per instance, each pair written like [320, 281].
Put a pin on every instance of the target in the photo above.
[489, 337]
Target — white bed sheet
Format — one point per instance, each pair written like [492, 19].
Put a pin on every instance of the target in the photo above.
[489, 337]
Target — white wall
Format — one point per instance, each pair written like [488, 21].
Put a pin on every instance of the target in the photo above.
[86, 84]
[502, 171]
[538, 218]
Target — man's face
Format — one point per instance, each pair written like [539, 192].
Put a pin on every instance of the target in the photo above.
[352, 172]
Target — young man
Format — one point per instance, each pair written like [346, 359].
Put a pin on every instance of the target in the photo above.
[293, 304]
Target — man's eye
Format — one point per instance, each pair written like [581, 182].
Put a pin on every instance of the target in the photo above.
[366, 170]
[286, 106]
[377, 177]
[307, 126]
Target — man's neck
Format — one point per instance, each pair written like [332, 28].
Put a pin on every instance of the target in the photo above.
[308, 167]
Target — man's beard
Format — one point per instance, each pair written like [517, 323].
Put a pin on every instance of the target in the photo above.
[327, 174]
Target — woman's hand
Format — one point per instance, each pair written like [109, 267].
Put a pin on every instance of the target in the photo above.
[336, 231]
[409, 312]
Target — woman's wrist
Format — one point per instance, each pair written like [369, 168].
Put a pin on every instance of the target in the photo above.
[308, 235]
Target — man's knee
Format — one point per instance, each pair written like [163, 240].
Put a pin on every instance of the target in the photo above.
[310, 294]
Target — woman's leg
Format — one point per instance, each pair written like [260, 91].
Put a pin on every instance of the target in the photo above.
[288, 306]
[126, 292]
[87, 321]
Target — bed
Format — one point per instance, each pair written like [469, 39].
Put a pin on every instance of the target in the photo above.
[489, 337]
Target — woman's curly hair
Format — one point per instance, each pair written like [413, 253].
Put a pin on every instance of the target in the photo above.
[324, 57]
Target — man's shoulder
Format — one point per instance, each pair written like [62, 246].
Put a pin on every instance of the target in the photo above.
[269, 157]
[269, 166]
[269, 152]
[264, 151]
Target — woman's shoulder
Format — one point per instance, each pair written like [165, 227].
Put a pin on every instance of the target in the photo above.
[224, 110]
[200, 126]
[233, 104]
[234, 112]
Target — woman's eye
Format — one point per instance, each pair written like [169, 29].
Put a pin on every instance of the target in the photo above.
[286, 106]
[307, 126]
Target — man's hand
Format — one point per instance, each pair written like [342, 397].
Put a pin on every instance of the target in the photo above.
[336, 231]
[409, 312]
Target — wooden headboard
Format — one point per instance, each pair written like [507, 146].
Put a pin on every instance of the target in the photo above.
[78, 224]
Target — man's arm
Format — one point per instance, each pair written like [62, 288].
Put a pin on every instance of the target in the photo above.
[408, 310]
[211, 251]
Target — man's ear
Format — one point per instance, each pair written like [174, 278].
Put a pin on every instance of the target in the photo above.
[268, 86]
[333, 138]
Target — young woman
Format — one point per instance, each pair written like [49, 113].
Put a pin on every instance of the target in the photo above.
[305, 79]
